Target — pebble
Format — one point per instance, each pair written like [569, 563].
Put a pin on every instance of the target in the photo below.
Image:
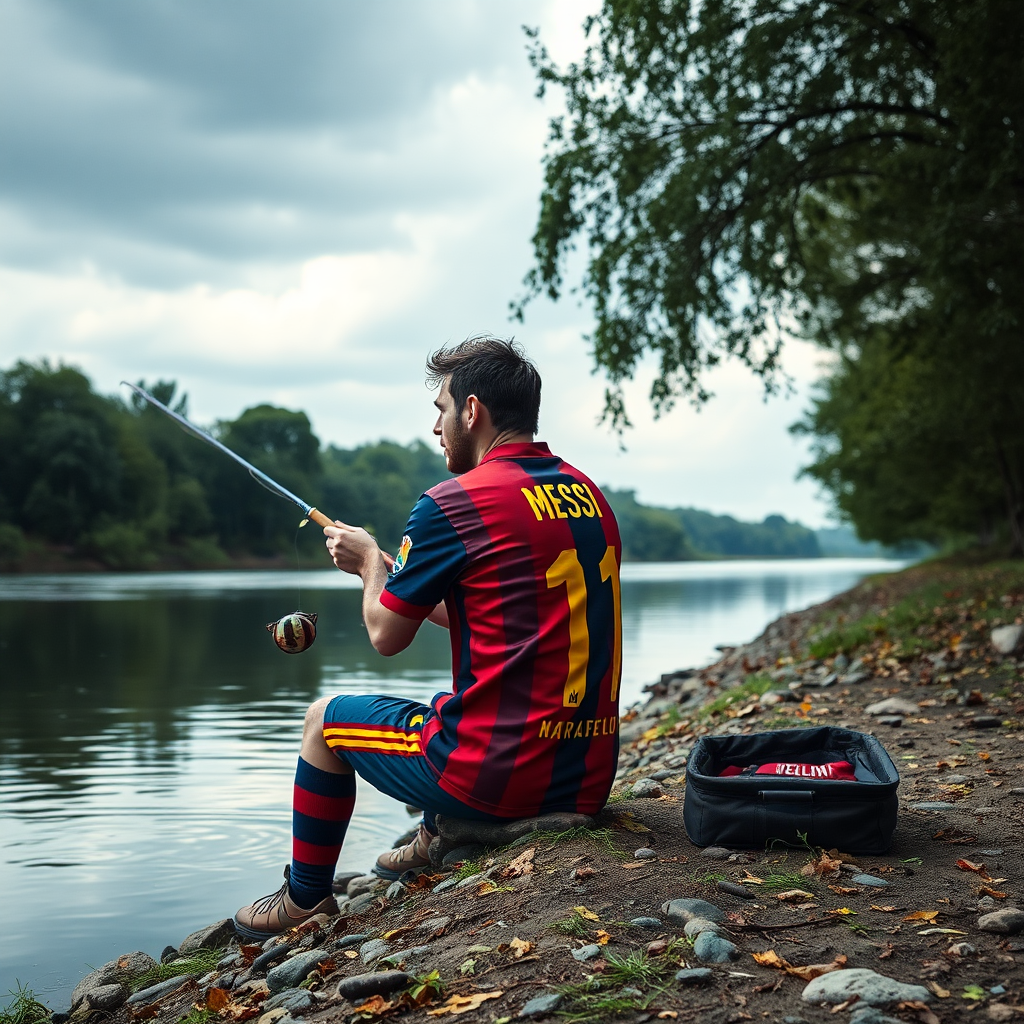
[644, 853]
[733, 889]
[294, 969]
[350, 940]
[647, 788]
[213, 936]
[870, 988]
[480, 876]
[793, 1020]
[716, 853]
[541, 1006]
[869, 880]
[893, 706]
[985, 722]
[872, 1015]
[1008, 921]
[1005, 639]
[114, 973]
[961, 949]
[694, 975]
[931, 805]
[279, 1015]
[373, 950]
[294, 1000]
[360, 884]
[341, 880]
[448, 883]
[587, 952]
[710, 948]
[105, 997]
[461, 854]
[271, 956]
[991, 853]
[170, 953]
[696, 925]
[894, 721]
[434, 924]
[394, 890]
[665, 773]
[411, 956]
[645, 922]
[361, 903]
[905, 744]
[681, 910]
[1017, 791]
[362, 986]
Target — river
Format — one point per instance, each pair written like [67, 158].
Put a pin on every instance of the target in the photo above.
[149, 729]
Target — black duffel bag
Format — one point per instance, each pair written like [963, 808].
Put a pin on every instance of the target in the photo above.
[856, 815]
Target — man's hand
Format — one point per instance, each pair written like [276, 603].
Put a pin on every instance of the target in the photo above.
[352, 548]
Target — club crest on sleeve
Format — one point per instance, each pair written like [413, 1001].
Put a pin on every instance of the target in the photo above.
[403, 554]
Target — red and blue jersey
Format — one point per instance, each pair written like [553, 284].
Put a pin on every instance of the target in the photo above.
[525, 552]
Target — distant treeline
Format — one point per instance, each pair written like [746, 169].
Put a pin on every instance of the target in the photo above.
[93, 479]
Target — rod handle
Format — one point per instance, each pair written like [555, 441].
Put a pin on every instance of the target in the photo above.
[319, 518]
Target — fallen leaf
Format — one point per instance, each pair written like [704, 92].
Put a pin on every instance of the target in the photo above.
[794, 894]
[629, 822]
[587, 915]
[844, 911]
[978, 869]
[217, 999]
[924, 1015]
[974, 992]
[884, 908]
[940, 931]
[603, 937]
[375, 1005]
[845, 890]
[887, 952]
[468, 966]
[823, 865]
[749, 879]
[806, 973]
[521, 865]
[668, 1015]
[633, 864]
[463, 1004]
[923, 915]
[520, 947]
[987, 890]
[984, 755]
[938, 990]
[350, 954]
[485, 888]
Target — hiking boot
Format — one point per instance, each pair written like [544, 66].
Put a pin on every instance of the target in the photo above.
[277, 912]
[411, 857]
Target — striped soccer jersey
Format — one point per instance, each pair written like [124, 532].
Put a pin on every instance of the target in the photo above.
[525, 552]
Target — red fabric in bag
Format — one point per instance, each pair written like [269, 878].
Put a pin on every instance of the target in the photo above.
[840, 770]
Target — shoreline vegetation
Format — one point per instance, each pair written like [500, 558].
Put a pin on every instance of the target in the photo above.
[90, 482]
[580, 924]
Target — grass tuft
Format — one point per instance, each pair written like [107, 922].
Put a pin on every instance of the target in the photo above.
[24, 1008]
[573, 925]
[637, 967]
[201, 962]
[753, 686]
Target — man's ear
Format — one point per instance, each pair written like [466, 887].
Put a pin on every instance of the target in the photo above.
[472, 411]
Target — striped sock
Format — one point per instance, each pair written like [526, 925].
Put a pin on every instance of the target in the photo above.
[322, 805]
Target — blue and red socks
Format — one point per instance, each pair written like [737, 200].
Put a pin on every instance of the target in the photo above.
[322, 805]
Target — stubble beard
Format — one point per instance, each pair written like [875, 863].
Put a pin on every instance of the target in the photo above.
[458, 450]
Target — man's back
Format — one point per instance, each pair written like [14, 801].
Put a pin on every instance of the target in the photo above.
[528, 551]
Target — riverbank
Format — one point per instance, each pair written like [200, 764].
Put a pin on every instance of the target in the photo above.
[591, 918]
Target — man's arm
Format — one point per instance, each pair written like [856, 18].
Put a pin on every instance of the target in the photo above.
[355, 551]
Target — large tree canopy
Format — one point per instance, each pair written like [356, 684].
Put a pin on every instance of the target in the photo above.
[745, 170]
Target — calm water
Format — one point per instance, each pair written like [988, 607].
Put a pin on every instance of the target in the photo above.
[149, 727]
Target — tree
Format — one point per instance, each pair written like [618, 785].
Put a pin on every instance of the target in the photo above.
[744, 170]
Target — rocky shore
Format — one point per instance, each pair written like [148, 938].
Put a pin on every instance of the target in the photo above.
[622, 917]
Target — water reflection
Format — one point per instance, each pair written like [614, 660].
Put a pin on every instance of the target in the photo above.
[149, 728]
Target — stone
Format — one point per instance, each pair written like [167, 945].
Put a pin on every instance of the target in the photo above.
[394, 890]
[434, 924]
[410, 957]
[931, 805]
[295, 969]
[470, 880]
[962, 949]
[448, 883]
[461, 854]
[985, 722]
[351, 940]
[830, 680]
[664, 774]
[906, 744]
[152, 993]
[694, 975]
[893, 706]
[362, 986]
[857, 677]
[272, 956]
[872, 1015]
[361, 903]
[644, 853]
[646, 789]
[372, 950]
[893, 721]
[869, 880]
[986, 903]
[840, 663]
[279, 1015]
[340, 884]
[1008, 921]
[716, 853]
[118, 972]
[870, 988]
[360, 884]
[645, 922]
[459, 831]
[587, 952]
[105, 997]
[541, 1006]
[733, 889]
[778, 697]
[696, 925]
[1006, 639]
[294, 1000]
[169, 954]
[213, 936]
[681, 910]
[710, 948]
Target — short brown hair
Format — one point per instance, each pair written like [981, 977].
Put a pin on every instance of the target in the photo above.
[498, 372]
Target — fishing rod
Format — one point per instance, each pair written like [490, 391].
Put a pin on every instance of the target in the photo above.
[295, 632]
[258, 475]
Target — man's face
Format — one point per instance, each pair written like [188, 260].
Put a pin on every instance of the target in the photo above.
[455, 442]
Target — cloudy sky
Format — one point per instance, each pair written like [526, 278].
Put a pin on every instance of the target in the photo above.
[294, 202]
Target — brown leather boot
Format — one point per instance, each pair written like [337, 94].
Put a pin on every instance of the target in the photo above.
[277, 912]
[411, 857]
